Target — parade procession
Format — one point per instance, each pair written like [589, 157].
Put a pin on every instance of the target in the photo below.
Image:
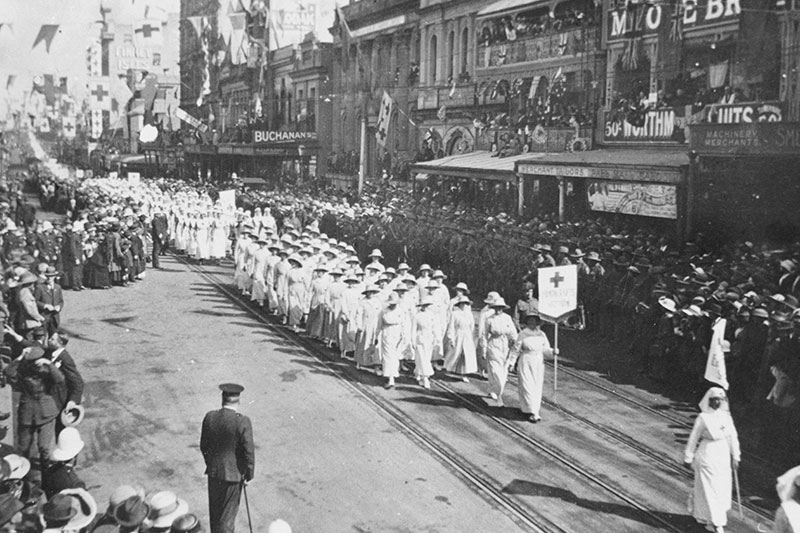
[400, 265]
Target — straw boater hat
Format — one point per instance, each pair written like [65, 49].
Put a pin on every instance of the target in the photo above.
[187, 523]
[165, 507]
[120, 494]
[18, 466]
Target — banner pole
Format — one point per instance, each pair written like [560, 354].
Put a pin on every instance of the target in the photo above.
[555, 365]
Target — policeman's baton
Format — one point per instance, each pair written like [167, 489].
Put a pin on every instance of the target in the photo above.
[247, 506]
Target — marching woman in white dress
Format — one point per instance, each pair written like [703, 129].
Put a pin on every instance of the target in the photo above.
[348, 309]
[531, 348]
[219, 236]
[296, 292]
[423, 339]
[367, 318]
[391, 331]
[460, 356]
[712, 452]
[203, 237]
[260, 257]
[318, 302]
[499, 334]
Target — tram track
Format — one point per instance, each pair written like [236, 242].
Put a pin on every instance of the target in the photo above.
[489, 488]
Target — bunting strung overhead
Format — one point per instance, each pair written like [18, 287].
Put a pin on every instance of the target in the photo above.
[238, 38]
[46, 33]
[10, 81]
[196, 23]
[206, 89]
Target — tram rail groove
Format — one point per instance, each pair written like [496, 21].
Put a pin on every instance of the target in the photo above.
[636, 402]
[483, 485]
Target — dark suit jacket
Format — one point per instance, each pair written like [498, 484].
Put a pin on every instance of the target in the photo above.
[44, 295]
[72, 388]
[226, 441]
[159, 227]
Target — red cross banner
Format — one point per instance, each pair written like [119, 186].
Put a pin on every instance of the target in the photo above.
[96, 119]
[99, 95]
[558, 291]
[148, 33]
[382, 126]
[68, 127]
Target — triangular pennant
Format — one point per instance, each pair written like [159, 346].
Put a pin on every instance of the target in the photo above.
[195, 22]
[46, 34]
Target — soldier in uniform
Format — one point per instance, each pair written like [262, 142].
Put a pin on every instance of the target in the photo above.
[226, 442]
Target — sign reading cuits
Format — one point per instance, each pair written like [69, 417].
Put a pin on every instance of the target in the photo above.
[270, 137]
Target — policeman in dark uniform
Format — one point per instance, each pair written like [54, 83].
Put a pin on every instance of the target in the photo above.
[226, 441]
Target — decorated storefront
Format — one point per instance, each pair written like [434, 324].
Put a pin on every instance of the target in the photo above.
[748, 170]
[683, 62]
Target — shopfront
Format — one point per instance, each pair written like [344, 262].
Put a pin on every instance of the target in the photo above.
[630, 183]
[745, 180]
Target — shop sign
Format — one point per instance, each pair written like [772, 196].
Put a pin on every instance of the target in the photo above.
[627, 198]
[659, 125]
[759, 138]
[634, 173]
[133, 57]
[623, 23]
[746, 112]
[262, 137]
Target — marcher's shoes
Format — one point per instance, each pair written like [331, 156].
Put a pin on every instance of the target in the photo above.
[4, 415]
[535, 419]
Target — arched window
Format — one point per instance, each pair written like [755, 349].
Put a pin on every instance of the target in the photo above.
[451, 52]
[432, 57]
[464, 49]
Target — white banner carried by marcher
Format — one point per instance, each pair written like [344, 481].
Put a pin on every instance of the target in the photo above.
[227, 199]
[715, 364]
[558, 296]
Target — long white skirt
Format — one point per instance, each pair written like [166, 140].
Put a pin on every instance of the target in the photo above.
[530, 369]
[713, 479]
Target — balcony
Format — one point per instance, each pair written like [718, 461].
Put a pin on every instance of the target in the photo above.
[435, 97]
[538, 48]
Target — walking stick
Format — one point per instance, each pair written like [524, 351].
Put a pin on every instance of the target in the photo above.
[738, 492]
[247, 506]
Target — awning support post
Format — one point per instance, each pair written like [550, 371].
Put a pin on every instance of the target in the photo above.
[520, 194]
[562, 193]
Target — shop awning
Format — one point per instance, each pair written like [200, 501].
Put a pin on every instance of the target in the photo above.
[625, 164]
[480, 165]
[502, 6]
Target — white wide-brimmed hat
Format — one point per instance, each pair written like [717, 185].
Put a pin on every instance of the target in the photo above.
[69, 445]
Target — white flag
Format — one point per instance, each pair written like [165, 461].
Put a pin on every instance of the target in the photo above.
[99, 94]
[715, 365]
[68, 127]
[382, 126]
[148, 33]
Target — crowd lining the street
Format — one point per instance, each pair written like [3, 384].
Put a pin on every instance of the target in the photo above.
[673, 302]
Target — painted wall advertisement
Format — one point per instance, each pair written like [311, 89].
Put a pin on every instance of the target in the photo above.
[643, 199]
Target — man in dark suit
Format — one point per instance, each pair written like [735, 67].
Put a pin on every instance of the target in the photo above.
[71, 390]
[159, 234]
[226, 442]
[49, 301]
[72, 252]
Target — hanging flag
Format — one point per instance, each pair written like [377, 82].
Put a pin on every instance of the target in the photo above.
[10, 81]
[99, 95]
[196, 23]
[93, 53]
[46, 33]
[715, 364]
[382, 126]
[120, 90]
[148, 33]
[96, 125]
[156, 13]
[453, 89]
[345, 36]
[68, 126]
[206, 88]
[238, 38]
[441, 114]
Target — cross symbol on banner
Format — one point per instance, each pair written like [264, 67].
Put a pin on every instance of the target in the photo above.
[100, 93]
[382, 133]
[147, 30]
[387, 109]
[555, 280]
[69, 127]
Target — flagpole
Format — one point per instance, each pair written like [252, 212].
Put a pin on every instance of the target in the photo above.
[362, 162]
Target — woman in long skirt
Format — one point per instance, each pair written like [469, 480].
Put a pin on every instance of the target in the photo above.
[391, 333]
[423, 339]
[318, 302]
[531, 348]
[296, 292]
[347, 327]
[712, 452]
[367, 317]
[460, 355]
[499, 335]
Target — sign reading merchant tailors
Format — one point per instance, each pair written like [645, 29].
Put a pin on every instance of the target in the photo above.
[263, 137]
[648, 18]
[627, 198]
[761, 138]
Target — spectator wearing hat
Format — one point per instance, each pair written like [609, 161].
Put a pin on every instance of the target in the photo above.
[165, 508]
[49, 301]
[39, 381]
[10, 506]
[460, 356]
[186, 523]
[60, 472]
[158, 232]
[528, 303]
[72, 391]
[69, 510]
[73, 258]
[28, 312]
[130, 515]
[498, 338]
[45, 247]
[226, 442]
[747, 350]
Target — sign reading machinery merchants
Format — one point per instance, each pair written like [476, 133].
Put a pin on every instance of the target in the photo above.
[269, 137]
[628, 198]
[761, 138]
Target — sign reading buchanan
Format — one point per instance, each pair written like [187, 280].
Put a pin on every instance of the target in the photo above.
[268, 136]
